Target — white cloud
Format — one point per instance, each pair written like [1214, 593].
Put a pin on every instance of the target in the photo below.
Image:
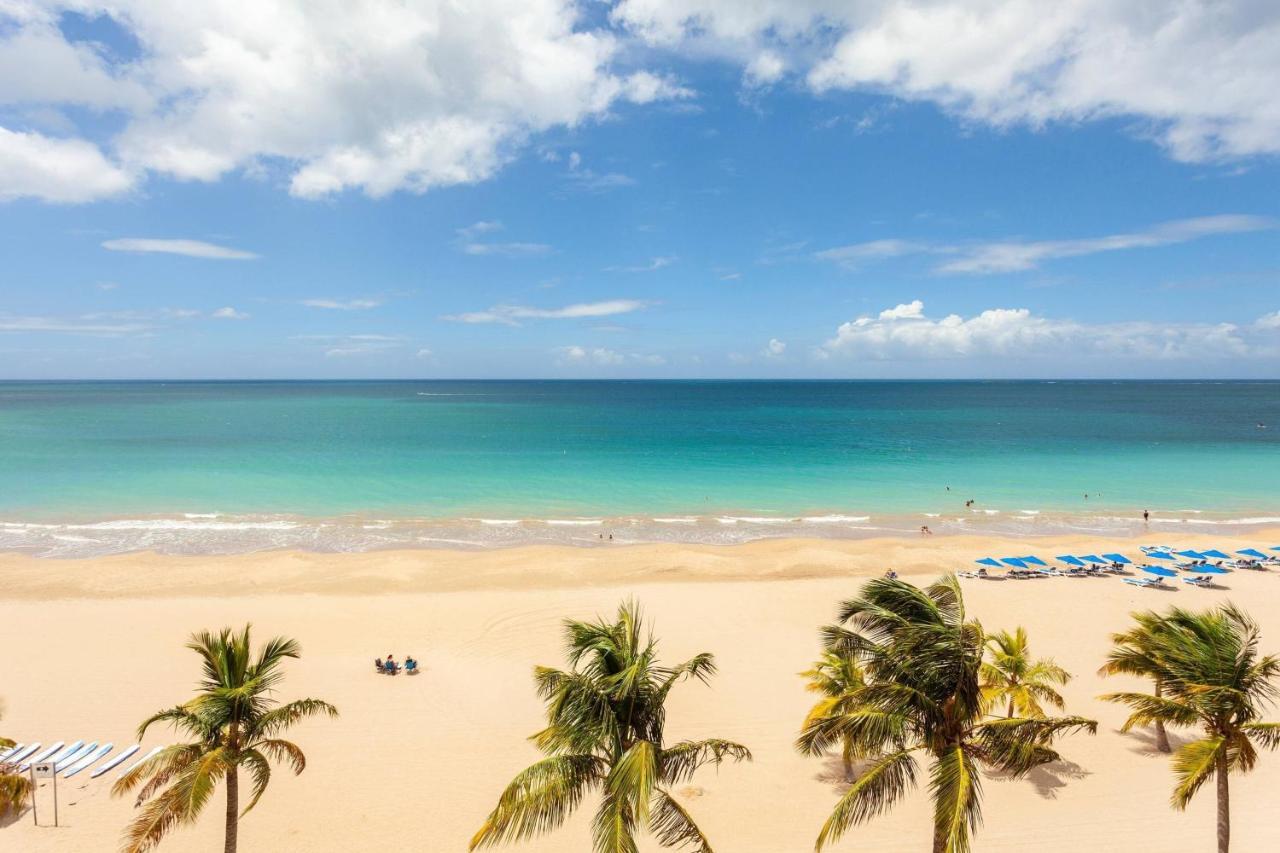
[764, 68]
[1015, 256]
[189, 248]
[63, 171]
[651, 266]
[1004, 256]
[340, 305]
[1269, 321]
[229, 313]
[774, 349]
[424, 353]
[509, 250]
[582, 355]
[85, 325]
[1201, 73]
[905, 333]
[511, 314]
[605, 357]
[362, 95]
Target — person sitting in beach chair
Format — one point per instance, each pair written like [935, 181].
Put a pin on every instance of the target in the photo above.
[377, 664]
[391, 666]
[891, 575]
[410, 666]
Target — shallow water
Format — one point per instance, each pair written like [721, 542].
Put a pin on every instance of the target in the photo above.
[107, 467]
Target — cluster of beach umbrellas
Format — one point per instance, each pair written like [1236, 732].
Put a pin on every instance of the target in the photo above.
[1193, 561]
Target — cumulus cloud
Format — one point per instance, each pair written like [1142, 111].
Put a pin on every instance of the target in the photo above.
[189, 248]
[774, 349]
[362, 95]
[605, 357]
[1005, 256]
[904, 332]
[511, 315]
[1200, 74]
[63, 171]
[229, 313]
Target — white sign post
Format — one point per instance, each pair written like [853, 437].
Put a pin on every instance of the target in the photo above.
[44, 770]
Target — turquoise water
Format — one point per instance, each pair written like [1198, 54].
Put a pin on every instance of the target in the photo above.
[163, 464]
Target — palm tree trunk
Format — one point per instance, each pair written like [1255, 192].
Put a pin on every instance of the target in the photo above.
[1224, 804]
[1010, 709]
[233, 811]
[939, 841]
[1162, 737]
[846, 756]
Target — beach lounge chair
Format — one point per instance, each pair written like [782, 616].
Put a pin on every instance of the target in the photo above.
[1149, 583]
[1199, 580]
[379, 665]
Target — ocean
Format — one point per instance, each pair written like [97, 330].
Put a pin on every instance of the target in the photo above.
[92, 468]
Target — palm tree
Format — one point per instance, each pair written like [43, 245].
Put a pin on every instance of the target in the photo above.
[1132, 653]
[605, 726]
[1011, 676]
[836, 677]
[922, 658]
[233, 722]
[1213, 678]
[14, 787]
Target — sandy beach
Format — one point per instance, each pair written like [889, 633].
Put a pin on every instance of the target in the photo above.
[415, 763]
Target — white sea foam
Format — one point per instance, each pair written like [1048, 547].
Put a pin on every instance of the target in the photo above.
[684, 519]
[1029, 511]
[835, 519]
[933, 515]
[753, 519]
[497, 522]
[575, 522]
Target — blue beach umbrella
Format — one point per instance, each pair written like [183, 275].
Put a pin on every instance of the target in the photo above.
[1160, 555]
[1034, 561]
[1209, 570]
[989, 561]
[1195, 555]
[1118, 558]
[1070, 560]
[1013, 561]
[1092, 558]
[1160, 570]
[1216, 554]
[1252, 552]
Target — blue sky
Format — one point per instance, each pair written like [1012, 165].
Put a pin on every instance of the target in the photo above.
[628, 191]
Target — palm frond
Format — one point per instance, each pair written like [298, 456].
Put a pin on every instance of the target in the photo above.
[957, 799]
[678, 763]
[873, 793]
[1193, 765]
[673, 826]
[540, 798]
[613, 830]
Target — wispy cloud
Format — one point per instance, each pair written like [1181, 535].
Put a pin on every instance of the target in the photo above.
[470, 243]
[189, 248]
[511, 315]
[83, 325]
[340, 305]
[653, 265]
[342, 346]
[229, 313]
[580, 178]
[1006, 256]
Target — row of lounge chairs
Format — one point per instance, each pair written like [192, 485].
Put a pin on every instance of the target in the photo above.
[1201, 566]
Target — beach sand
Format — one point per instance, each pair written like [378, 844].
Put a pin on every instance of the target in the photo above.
[91, 647]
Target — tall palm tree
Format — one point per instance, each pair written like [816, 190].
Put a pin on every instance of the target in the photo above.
[922, 658]
[14, 787]
[605, 727]
[1011, 676]
[1213, 678]
[232, 722]
[1133, 653]
[836, 677]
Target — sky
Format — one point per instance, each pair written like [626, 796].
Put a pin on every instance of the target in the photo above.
[645, 188]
